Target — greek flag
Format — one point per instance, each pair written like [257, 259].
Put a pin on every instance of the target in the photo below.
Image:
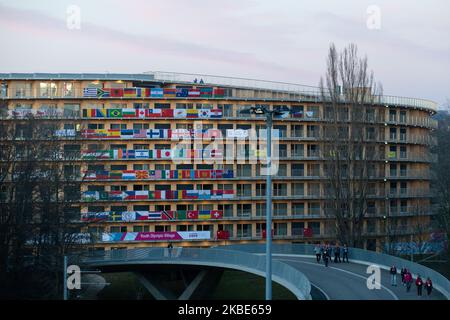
[90, 92]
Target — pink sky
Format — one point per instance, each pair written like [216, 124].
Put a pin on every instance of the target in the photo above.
[283, 40]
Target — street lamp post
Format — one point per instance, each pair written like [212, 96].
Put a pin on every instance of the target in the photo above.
[269, 117]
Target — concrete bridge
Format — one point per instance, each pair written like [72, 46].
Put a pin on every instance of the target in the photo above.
[294, 267]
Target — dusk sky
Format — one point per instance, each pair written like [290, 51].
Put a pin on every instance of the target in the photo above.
[407, 45]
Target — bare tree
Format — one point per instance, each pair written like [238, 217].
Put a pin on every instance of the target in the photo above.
[350, 154]
[39, 223]
[441, 171]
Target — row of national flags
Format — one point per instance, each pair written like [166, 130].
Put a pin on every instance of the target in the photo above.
[141, 113]
[125, 216]
[158, 174]
[153, 133]
[201, 92]
[176, 153]
[158, 195]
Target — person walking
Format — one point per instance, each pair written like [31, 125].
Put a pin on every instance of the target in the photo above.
[408, 280]
[402, 275]
[428, 286]
[393, 273]
[325, 258]
[419, 285]
[337, 253]
[345, 253]
[169, 248]
[317, 252]
[328, 251]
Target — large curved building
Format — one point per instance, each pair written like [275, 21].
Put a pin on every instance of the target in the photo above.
[141, 186]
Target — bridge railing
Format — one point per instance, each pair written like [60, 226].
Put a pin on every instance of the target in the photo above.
[283, 273]
[385, 261]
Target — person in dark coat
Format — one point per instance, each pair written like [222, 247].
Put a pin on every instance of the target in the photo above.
[419, 285]
[337, 253]
[325, 258]
[393, 272]
[345, 253]
[429, 286]
[402, 275]
[169, 248]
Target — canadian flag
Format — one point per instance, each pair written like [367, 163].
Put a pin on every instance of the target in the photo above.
[140, 113]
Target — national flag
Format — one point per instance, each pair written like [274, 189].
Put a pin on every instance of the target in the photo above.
[141, 195]
[90, 92]
[194, 93]
[114, 113]
[191, 113]
[129, 174]
[154, 215]
[115, 216]
[206, 92]
[181, 215]
[219, 92]
[156, 92]
[126, 133]
[166, 154]
[169, 92]
[167, 215]
[128, 113]
[142, 92]
[180, 113]
[141, 154]
[103, 93]
[204, 214]
[130, 154]
[128, 216]
[141, 174]
[117, 195]
[216, 214]
[90, 175]
[307, 232]
[115, 174]
[167, 113]
[129, 92]
[118, 153]
[192, 194]
[139, 134]
[192, 214]
[215, 113]
[142, 215]
[113, 133]
[102, 175]
[154, 113]
[116, 92]
[182, 92]
[228, 194]
[140, 113]
[204, 113]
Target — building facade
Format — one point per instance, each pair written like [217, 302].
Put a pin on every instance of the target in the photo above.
[148, 151]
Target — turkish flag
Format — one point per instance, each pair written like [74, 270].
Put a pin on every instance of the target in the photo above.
[192, 214]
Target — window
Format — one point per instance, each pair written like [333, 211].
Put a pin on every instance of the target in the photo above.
[403, 134]
[297, 228]
[392, 116]
[403, 154]
[162, 228]
[393, 169]
[402, 117]
[279, 189]
[315, 227]
[298, 209]
[314, 170]
[71, 110]
[116, 126]
[244, 230]
[23, 89]
[282, 170]
[47, 89]
[244, 190]
[314, 208]
[313, 150]
[312, 131]
[297, 131]
[68, 89]
[313, 112]
[227, 209]
[282, 131]
[260, 190]
[280, 209]
[280, 229]
[297, 150]
[314, 189]
[393, 133]
[244, 170]
[260, 209]
[244, 210]
[298, 189]
[140, 126]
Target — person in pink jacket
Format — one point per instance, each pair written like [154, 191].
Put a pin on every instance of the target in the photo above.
[408, 280]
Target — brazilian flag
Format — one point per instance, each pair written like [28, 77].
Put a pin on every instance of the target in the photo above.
[114, 113]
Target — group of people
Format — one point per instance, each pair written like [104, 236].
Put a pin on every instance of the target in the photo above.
[325, 253]
[201, 81]
[407, 280]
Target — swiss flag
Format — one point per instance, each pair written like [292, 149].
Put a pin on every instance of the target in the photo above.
[216, 214]
[191, 214]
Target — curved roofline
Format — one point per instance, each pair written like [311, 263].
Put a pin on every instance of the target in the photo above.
[224, 81]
